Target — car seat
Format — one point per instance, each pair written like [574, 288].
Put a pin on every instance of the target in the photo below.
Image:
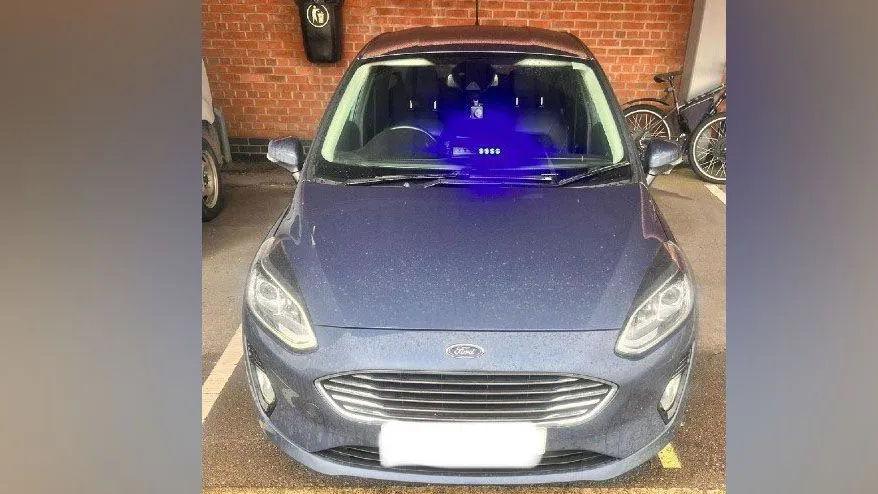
[422, 87]
[538, 109]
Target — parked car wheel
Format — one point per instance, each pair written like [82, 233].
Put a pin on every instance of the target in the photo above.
[645, 123]
[212, 200]
[707, 149]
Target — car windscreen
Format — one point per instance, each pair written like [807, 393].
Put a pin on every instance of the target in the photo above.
[502, 113]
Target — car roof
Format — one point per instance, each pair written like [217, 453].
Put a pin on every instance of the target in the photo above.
[475, 38]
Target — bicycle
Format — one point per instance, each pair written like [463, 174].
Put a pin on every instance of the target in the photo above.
[699, 117]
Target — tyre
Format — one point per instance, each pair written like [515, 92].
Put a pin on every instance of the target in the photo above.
[707, 149]
[212, 200]
[646, 122]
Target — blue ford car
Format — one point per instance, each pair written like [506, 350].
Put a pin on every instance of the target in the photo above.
[472, 283]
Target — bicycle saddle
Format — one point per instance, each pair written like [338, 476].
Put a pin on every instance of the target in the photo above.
[666, 77]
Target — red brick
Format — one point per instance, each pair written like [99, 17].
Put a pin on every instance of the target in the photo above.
[261, 79]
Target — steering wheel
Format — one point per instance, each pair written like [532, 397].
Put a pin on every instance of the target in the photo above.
[401, 141]
[412, 127]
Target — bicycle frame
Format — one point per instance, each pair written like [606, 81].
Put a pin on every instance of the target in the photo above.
[676, 108]
[717, 95]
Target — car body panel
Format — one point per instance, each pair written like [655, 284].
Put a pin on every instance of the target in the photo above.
[474, 38]
[541, 278]
[304, 421]
[447, 258]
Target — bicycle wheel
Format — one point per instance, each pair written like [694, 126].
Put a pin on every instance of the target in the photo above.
[707, 149]
[645, 123]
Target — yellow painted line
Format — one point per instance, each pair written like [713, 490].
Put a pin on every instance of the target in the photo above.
[220, 374]
[668, 457]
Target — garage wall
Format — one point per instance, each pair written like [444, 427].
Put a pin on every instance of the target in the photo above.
[266, 88]
[705, 66]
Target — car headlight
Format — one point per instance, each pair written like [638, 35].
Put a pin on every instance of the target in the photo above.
[657, 316]
[275, 307]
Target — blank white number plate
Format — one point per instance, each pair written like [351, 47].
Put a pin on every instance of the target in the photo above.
[461, 444]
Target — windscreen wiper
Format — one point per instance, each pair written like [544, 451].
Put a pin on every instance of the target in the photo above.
[590, 173]
[543, 179]
[403, 177]
[546, 179]
[454, 178]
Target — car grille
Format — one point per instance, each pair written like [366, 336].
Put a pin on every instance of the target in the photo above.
[540, 398]
[552, 461]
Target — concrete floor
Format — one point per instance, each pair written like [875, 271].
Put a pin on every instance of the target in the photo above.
[237, 457]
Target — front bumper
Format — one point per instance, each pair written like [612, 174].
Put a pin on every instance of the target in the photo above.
[629, 427]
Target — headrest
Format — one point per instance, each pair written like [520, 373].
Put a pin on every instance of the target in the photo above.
[525, 83]
[423, 83]
[532, 90]
[473, 76]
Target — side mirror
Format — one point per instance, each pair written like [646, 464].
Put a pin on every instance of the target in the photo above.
[287, 152]
[661, 156]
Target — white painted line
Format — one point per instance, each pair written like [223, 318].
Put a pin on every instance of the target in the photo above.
[220, 374]
[719, 193]
[668, 457]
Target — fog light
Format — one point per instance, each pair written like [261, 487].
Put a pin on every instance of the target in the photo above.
[266, 391]
[669, 397]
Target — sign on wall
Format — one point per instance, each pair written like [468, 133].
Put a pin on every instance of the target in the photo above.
[321, 29]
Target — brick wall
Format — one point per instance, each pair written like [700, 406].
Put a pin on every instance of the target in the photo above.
[261, 79]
